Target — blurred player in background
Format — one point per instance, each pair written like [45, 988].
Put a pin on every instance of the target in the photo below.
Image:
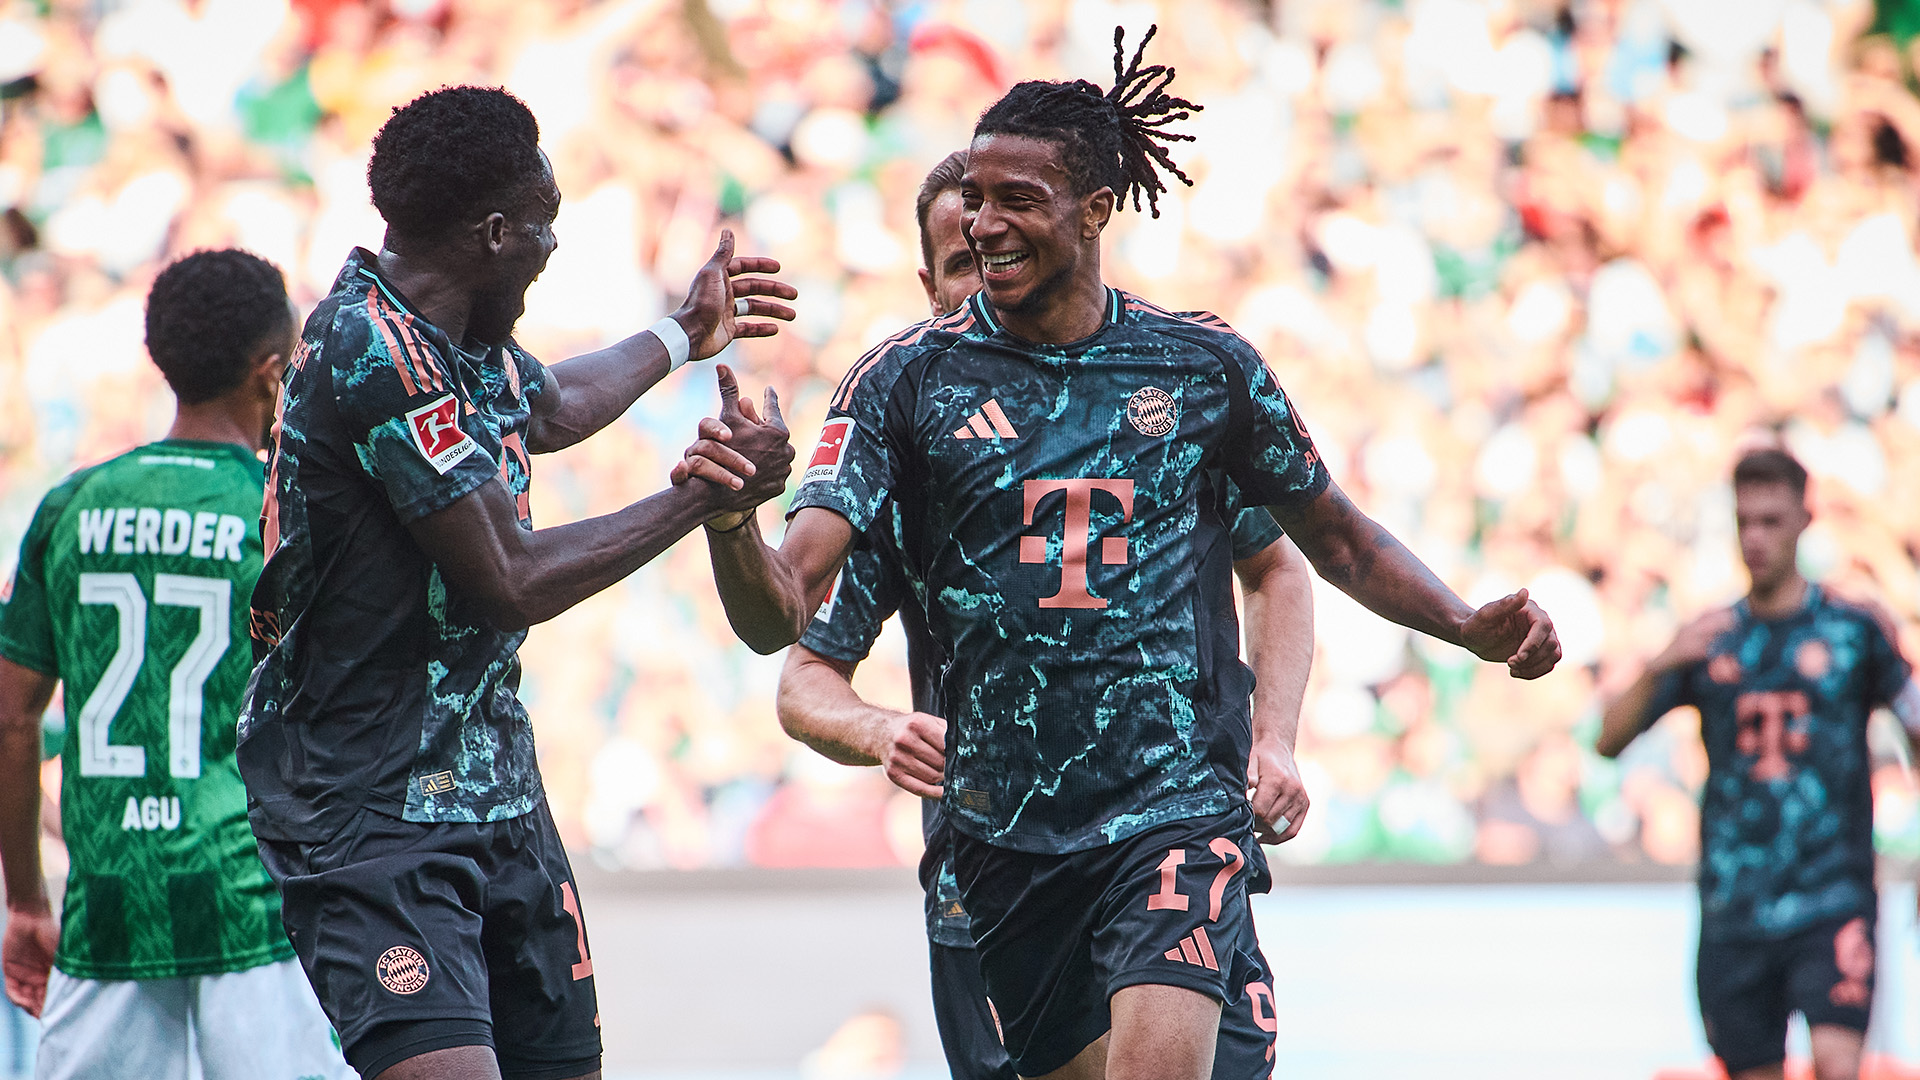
[819, 707]
[388, 758]
[131, 593]
[1785, 681]
[1074, 544]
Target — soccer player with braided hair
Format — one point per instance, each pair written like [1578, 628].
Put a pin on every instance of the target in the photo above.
[1061, 456]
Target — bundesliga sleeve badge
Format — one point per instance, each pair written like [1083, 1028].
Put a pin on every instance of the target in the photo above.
[831, 451]
[436, 432]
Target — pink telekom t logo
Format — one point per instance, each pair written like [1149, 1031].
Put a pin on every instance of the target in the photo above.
[1075, 540]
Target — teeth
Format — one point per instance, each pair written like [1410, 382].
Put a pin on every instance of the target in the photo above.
[1002, 262]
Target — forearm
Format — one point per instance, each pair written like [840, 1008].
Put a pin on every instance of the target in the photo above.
[20, 810]
[1365, 561]
[594, 389]
[1279, 615]
[554, 569]
[1625, 717]
[768, 602]
[818, 707]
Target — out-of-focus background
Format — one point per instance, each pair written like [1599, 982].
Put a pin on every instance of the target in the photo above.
[1533, 270]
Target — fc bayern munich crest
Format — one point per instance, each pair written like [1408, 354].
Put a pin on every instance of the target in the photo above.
[1152, 411]
[401, 970]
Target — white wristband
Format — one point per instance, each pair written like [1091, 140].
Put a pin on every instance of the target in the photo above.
[675, 339]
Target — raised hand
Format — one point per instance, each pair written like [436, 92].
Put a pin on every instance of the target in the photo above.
[27, 956]
[710, 315]
[745, 458]
[1278, 795]
[1513, 629]
[916, 755]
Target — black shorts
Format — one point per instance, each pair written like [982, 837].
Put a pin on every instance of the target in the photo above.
[420, 937]
[1748, 989]
[968, 1032]
[1059, 935]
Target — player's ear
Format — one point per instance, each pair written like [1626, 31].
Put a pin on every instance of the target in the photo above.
[1097, 210]
[492, 232]
[926, 282]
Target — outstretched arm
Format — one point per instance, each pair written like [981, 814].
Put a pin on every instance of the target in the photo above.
[818, 706]
[32, 932]
[769, 595]
[1279, 617]
[592, 390]
[520, 577]
[1626, 715]
[1368, 563]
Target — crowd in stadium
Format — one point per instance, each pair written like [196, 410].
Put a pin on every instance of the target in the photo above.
[1533, 272]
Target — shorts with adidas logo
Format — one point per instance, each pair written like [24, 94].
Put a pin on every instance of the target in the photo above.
[1059, 935]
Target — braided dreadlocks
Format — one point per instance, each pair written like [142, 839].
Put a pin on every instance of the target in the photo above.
[1112, 139]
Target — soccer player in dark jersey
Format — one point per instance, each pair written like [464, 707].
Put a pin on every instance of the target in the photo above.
[131, 595]
[1073, 541]
[1785, 681]
[389, 762]
[818, 706]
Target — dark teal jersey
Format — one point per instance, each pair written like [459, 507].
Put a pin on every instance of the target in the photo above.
[1066, 512]
[378, 686]
[870, 589]
[1786, 821]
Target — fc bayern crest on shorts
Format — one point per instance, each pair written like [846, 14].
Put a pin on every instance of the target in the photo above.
[402, 970]
[1152, 411]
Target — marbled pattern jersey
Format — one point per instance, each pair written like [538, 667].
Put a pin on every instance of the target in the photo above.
[1067, 510]
[377, 686]
[1786, 821]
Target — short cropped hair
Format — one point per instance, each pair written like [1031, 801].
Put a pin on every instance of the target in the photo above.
[945, 177]
[452, 156]
[207, 316]
[1771, 466]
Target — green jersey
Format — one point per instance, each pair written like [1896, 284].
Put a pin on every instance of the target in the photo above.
[132, 590]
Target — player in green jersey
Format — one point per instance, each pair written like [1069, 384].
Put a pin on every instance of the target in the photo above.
[169, 960]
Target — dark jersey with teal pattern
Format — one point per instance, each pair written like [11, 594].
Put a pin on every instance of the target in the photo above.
[1786, 821]
[377, 685]
[870, 589]
[131, 590]
[1068, 509]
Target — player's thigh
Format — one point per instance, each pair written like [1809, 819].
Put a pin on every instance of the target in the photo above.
[1743, 1002]
[120, 1029]
[1033, 918]
[387, 924]
[546, 1017]
[264, 1022]
[1162, 1033]
[1836, 1052]
[963, 1012]
[1831, 981]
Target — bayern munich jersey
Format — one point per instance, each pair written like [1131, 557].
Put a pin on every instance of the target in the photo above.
[378, 686]
[131, 589]
[1786, 821]
[1067, 509]
[870, 589]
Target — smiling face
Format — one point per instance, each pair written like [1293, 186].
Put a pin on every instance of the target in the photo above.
[953, 276]
[1769, 519]
[1034, 238]
[520, 242]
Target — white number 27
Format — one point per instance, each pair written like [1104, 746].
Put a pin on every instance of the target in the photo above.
[99, 756]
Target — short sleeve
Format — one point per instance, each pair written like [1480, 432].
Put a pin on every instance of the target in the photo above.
[532, 374]
[26, 620]
[1887, 671]
[412, 429]
[1254, 529]
[1268, 452]
[867, 593]
[851, 470]
[1670, 691]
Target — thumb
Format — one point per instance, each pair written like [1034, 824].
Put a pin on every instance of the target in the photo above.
[723, 253]
[773, 410]
[1506, 605]
[729, 391]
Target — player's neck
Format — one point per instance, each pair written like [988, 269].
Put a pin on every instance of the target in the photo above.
[1076, 311]
[436, 295]
[1778, 599]
[220, 421]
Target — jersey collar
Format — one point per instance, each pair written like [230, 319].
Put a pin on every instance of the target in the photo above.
[983, 311]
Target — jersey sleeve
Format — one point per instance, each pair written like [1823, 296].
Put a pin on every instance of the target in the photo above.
[1887, 671]
[1254, 529]
[867, 593]
[1268, 452]
[529, 373]
[1670, 691]
[413, 432]
[852, 468]
[26, 612]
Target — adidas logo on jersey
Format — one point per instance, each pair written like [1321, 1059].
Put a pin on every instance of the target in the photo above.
[1195, 949]
[988, 422]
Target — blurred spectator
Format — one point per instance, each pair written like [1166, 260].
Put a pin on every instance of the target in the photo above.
[1534, 271]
